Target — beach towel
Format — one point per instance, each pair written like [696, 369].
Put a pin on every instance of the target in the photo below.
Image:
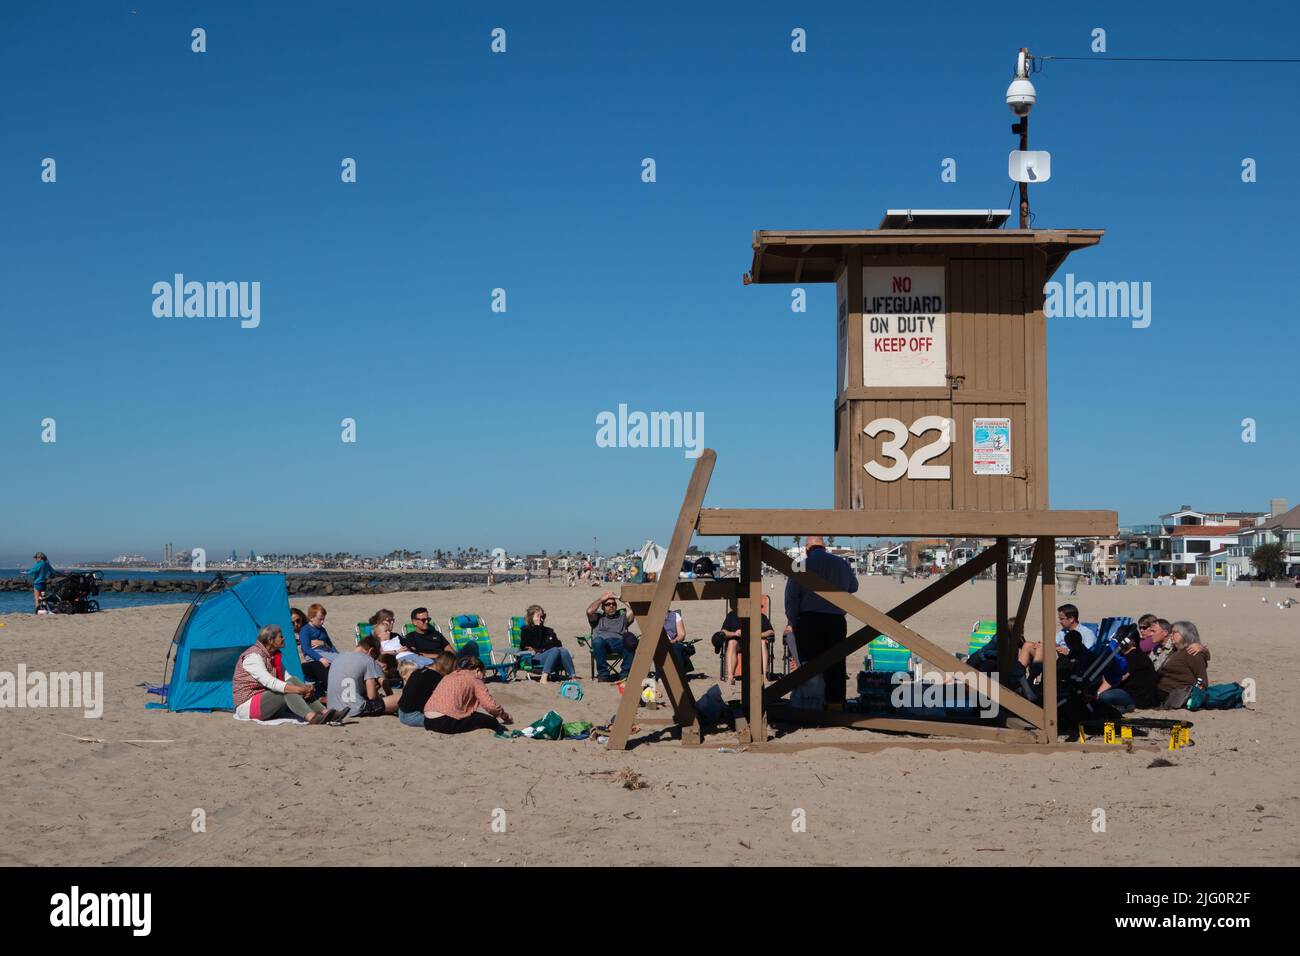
[271, 723]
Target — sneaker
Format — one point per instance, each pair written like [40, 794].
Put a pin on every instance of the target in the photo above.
[606, 679]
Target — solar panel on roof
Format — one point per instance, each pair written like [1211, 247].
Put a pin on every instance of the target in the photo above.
[944, 218]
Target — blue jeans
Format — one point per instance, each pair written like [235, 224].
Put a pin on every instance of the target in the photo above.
[551, 657]
[602, 647]
[414, 718]
[1119, 699]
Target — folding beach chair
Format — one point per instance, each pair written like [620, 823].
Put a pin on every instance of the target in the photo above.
[613, 661]
[466, 629]
[362, 630]
[526, 661]
[1110, 626]
[769, 655]
[887, 656]
[980, 634]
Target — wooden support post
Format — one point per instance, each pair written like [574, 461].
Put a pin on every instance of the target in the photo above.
[755, 661]
[742, 654]
[1026, 598]
[652, 626]
[1045, 551]
[1004, 643]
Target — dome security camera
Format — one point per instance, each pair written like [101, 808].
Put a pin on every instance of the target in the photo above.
[1021, 96]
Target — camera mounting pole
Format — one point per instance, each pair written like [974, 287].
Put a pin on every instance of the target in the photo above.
[1021, 97]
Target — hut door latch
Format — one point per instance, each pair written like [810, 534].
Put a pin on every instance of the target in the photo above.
[954, 381]
[1021, 473]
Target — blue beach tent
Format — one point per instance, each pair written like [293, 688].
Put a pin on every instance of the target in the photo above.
[221, 621]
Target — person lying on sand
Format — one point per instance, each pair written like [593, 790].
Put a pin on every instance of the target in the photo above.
[260, 690]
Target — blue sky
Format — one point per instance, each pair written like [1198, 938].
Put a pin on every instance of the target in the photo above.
[522, 171]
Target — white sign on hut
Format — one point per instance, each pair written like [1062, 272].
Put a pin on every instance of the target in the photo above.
[904, 326]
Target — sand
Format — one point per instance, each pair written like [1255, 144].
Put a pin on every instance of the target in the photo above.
[375, 792]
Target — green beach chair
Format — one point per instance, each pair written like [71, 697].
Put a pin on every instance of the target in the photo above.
[887, 656]
[527, 663]
[465, 629]
[362, 630]
[980, 634]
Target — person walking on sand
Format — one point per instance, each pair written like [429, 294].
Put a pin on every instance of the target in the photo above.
[40, 572]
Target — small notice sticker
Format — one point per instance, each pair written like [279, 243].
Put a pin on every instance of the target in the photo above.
[991, 447]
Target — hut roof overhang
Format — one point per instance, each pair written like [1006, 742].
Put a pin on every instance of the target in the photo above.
[814, 255]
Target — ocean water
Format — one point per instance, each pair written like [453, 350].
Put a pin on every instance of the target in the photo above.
[20, 602]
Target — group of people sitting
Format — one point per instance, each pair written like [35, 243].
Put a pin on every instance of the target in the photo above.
[1156, 667]
[417, 675]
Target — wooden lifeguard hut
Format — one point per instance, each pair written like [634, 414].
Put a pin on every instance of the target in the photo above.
[940, 430]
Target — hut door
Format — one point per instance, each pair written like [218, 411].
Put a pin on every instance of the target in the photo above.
[990, 340]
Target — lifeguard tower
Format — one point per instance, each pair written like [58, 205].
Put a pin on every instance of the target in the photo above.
[940, 430]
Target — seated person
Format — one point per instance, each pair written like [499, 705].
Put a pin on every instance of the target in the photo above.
[1185, 635]
[389, 643]
[611, 634]
[382, 628]
[1149, 637]
[1183, 668]
[418, 685]
[392, 677]
[1067, 615]
[675, 628]
[453, 707]
[314, 670]
[313, 639]
[736, 629]
[1135, 686]
[260, 690]
[541, 640]
[426, 638]
[1073, 658]
[355, 682]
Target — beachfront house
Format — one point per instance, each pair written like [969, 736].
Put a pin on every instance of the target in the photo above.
[1186, 543]
[1281, 526]
[1140, 549]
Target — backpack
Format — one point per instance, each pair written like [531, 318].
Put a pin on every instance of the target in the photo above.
[1216, 697]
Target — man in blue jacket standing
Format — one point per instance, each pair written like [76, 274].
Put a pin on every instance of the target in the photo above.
[817, 623]
[40, 573]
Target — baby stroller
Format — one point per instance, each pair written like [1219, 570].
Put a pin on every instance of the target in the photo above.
[73, 592]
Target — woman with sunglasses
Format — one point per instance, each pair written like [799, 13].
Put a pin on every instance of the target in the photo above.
[535, 636]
